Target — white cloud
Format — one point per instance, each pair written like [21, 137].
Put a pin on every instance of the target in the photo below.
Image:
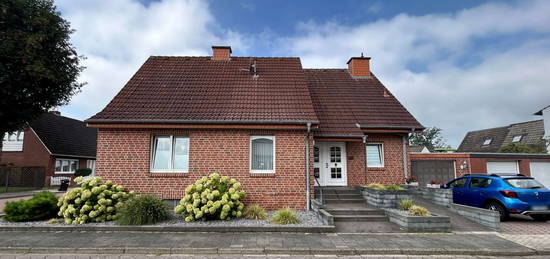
[504, 85]
[118, 36]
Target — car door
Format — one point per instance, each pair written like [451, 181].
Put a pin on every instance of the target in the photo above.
[458, 187]
[476, 192]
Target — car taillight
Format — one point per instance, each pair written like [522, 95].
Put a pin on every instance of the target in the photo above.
[509, 194]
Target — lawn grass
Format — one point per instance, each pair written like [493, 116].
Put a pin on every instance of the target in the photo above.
[15, 189]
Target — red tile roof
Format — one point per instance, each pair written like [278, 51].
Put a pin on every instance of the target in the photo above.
[198, 90]
[342, 103]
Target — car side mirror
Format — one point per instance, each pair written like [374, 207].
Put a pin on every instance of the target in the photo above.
[444, 186]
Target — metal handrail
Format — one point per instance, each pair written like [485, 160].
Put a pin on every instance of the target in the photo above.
[320, 190]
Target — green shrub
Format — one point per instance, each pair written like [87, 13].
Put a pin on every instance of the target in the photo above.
[394, 187]
[254, 212]
[83, 172]
[419, 211]
[285, 216]
[212, 197]
[405, 204]
[54, 221]
[142, 210]
[93, 201]
[376, 186]
[41, 206]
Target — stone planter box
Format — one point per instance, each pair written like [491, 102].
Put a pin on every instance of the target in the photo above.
[384, 198]
[443, 197]
[322, 214]
[410, 223]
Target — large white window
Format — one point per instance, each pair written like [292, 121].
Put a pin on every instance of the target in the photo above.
[13, 141]
[170, 154]
[375, 155]
[262, 154]
[65, 166]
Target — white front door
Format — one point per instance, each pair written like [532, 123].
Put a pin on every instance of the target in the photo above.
[331, 163]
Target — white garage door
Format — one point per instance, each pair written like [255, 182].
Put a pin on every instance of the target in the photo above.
[541, 172]
[502, 167]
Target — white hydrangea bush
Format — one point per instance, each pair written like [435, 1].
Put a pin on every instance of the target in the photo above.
[212, 197]
[93, 201]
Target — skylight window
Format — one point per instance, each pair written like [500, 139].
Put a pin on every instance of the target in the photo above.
[517, 138]
[487, 141]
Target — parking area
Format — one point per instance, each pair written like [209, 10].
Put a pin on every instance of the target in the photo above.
[524, 225]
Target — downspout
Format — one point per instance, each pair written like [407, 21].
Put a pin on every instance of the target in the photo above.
[307, 168]
[405, 160]
[365, 148]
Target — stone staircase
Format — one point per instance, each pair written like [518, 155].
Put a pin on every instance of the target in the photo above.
[346, 204]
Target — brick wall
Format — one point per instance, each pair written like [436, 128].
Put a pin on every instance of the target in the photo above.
[123, 157]
[391, 173]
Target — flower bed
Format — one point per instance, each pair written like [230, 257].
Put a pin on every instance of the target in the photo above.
[384, 198]
[175, 223]
[433, 223]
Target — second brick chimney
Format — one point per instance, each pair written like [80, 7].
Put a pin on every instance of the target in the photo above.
[221, 53]
[359, 66]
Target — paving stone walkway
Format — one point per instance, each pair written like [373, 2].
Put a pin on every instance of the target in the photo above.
[258, 243]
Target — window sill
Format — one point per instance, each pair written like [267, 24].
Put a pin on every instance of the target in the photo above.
[168, 174]
[381, 168]
[262, 174]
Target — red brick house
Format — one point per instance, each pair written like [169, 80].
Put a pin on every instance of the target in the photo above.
[265, 121]
[56, 143]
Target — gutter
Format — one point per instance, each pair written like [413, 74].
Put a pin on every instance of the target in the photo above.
[124, 121]
[412, 128]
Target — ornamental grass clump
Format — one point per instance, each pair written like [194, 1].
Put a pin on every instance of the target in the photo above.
[405, 204]
[285, 216]
[142, 210]
[42, 205]
[212, 197]
[93, 201]
[394, 187]
[376, 186]
[419, 211]
[255, 212]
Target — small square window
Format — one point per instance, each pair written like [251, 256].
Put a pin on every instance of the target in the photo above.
[487, 141]
[517, 138]
[262, 154]
[375, 155]
[66, 166]
[170, 154]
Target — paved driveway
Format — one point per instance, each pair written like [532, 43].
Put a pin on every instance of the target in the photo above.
[524, 225]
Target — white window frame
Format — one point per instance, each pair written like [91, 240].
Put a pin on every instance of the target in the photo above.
[272, 138]
[66, 159]
[519, 137]
[487, 142]
[171, 165]
[90, 163]
[382, 164]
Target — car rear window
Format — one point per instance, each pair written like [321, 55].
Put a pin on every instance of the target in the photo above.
[524, 183]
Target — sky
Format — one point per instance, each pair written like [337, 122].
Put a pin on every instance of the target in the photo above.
[456, 65]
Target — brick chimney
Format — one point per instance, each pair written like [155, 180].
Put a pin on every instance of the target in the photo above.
[359, 66]
[221, 53]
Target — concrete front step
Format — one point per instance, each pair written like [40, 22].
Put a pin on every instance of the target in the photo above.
[333, 201]
[361, 218]
[359, 212]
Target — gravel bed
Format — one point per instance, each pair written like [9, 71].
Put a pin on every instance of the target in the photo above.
[308, 219]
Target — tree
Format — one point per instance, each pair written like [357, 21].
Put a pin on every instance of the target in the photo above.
[430, 138]
[539, 148]
[38, 65]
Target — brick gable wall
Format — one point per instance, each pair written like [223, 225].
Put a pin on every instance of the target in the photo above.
[123, 156]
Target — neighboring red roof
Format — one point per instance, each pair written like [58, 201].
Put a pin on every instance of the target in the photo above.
[342, 103]
[201, 90]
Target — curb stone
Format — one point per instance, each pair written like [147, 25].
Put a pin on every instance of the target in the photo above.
[317, 229]
[272, 250]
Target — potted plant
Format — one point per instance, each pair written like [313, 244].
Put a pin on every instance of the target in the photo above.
[411, 181]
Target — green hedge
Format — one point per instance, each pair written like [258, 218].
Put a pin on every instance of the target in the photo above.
[41, 206]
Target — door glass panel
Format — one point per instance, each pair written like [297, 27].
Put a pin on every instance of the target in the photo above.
[316, 154]
[336, 173]
[335, 155]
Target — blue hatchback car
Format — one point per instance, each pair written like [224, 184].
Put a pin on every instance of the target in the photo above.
[507, 194]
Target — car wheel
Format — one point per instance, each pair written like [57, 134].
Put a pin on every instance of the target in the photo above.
[495, 206]
[540, 217]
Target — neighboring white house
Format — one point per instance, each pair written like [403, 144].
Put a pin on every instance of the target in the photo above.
[545, 113]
